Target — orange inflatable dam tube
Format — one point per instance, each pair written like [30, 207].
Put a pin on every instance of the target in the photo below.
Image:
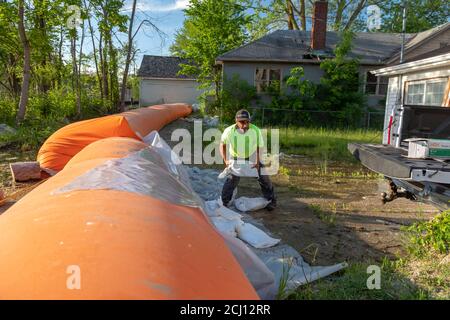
[74, 238]
[62, 145]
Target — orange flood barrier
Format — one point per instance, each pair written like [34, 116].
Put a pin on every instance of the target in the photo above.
[72, 238]
[62, 145]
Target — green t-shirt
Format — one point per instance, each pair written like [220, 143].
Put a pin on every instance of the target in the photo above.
[242, 145]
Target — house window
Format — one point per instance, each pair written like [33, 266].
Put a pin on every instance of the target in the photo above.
[426, 92]
[376, 85]
[266, 79]
[382, 85]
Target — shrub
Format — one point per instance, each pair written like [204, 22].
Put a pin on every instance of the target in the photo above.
[339, 86]
[338, 95]
[236, 94]
[7, 110]
[433, 234]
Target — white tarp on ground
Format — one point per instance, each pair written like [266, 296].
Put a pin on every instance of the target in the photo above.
[265, 262]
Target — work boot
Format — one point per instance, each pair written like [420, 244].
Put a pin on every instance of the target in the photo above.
[272, 205]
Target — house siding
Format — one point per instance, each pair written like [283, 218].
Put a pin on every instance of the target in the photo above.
[246, 71]
[157, 91]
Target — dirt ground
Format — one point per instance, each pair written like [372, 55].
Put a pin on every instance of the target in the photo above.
[332, 220]
[327, 219]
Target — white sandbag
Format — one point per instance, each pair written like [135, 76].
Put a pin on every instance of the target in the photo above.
[225, 173]
[228, 213]
[255, 237]
[226, 226]
[243, 169]
[211, 208]
[214, 208]
[245, 204]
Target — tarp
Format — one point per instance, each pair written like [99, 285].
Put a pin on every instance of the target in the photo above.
[65, 143]
[126, 240]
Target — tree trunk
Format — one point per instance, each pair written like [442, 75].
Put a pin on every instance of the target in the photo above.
[26, 65]
[60, 59]
[292, 23]
[303, 14]
[81, 49]
[104, 67]
[99, 79]
[127, 61]
[75, 78]
[114, 78]
[339, 12]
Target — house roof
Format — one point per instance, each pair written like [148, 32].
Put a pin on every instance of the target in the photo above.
[161, 67]
[439, 61]
[432, 53]
[293, 45]
[420, 38]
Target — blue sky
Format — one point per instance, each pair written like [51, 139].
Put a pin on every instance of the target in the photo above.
[166, 15]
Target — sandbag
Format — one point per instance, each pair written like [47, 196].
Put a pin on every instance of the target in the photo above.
[245, 204]
[255, 237]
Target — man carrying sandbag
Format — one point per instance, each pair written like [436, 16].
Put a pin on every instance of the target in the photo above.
[243, 159]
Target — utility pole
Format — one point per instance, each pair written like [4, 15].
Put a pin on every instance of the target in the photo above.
[403, 32]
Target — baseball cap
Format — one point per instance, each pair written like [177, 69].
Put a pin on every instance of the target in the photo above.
[242, 115]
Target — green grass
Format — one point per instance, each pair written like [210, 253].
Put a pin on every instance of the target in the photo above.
[325, 144]
[326, 217]
[351, 284]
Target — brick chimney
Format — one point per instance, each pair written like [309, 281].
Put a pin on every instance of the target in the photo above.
[319, 25]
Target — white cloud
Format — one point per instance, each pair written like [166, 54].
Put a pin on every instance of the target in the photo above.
[158, 6]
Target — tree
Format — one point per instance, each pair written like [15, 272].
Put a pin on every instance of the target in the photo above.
[339, 87]
[26, 63]
[128, 59]
[297, 15]
[211, 28]
[421, 15]
[130, 51]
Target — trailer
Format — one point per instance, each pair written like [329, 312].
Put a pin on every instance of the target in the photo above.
[417, 107]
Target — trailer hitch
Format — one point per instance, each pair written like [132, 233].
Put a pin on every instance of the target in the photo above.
[394, 194]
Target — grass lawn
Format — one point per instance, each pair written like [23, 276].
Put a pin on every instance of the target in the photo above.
[410, 278]
[325, 144]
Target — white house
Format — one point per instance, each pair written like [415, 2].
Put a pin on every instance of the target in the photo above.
[418, 101]
[160, 83]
